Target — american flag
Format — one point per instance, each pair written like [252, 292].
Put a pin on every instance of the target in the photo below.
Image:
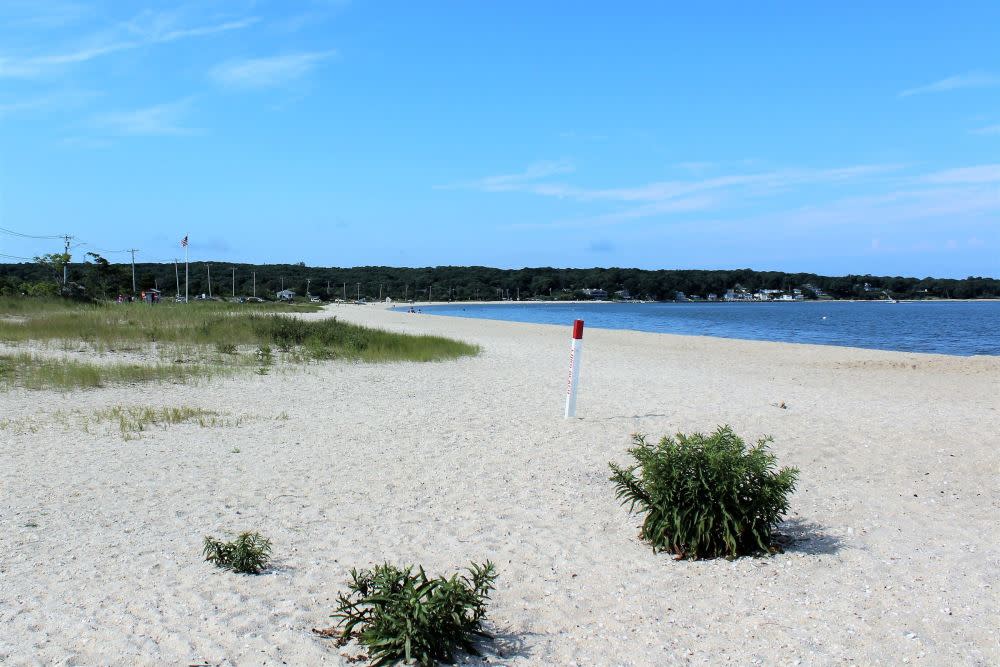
[184, 241]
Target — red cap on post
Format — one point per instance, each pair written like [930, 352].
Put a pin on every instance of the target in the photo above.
[578, 329]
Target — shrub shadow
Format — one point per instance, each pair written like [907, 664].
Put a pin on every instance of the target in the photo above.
[808, 537]
[505, 645]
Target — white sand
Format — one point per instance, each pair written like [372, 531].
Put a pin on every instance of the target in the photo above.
[896, 513]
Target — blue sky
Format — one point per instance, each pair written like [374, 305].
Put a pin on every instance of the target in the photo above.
[848, 138]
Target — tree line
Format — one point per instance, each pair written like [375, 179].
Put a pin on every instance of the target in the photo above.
[96, 277]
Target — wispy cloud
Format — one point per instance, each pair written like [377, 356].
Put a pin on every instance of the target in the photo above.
[146, 29]
[893, 194]
[697, 167]
[158, 120]
[316, 12]
[522, 180]
[989, 129]
[257, 73]
[911, 204]
[684, 205]
[977, 79]
[534, 180]
[165, 35]
[53, 101]
[31, 14]
[986, 173]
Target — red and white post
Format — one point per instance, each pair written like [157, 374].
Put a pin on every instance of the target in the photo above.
[576, 348]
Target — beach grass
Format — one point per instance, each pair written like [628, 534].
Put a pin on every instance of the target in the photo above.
[33, 372]
[114, 325]
[132, 420]
[218, 337]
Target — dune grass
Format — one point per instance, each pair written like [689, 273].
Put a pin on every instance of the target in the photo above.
[132, 420]
[218, 326]
[113, 325]
[32, 372]
[221, 337]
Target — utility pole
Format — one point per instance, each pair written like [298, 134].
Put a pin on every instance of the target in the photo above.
[234, 281]
[308, 281]
[66, 238]
[208, 267]
[345, 292]
[359, 291]
[406, 291]
[430, 293]
[380, 291]
[255, 284]
[187, 264]
[133, 251]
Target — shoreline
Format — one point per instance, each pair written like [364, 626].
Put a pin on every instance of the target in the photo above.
[395, 309]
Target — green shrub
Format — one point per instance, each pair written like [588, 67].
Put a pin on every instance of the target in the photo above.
[264, 355]
[706, 496]
[249, 553]
[402, 615]
[225, 348]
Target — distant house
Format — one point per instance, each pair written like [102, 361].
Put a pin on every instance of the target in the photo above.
[767, 295]
[286, 295]
[595, 293]
[738, 293]
[713, 297]
[820, 294]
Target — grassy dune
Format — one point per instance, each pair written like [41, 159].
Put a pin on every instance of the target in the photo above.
[33, 372]
[217, 337]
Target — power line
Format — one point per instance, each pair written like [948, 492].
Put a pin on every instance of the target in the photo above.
[28, 236]
[102, 250]
[29, 259]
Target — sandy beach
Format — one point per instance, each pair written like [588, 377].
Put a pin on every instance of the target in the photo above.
[895, 529]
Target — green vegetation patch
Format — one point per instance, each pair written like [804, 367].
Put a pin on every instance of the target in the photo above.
[214, 326]
[31, 372]
[133, 420]
[249, 553]
[706, 496]
[400, 614]
[331, 338]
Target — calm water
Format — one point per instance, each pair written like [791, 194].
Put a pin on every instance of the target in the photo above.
[944, 327]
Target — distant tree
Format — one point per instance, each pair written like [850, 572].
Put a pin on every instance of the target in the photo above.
[54, 263]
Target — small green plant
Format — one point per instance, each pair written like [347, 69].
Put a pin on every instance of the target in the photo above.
[225, 348]
[706, 496]
[264, 355]
[402, 615]
[249, 553]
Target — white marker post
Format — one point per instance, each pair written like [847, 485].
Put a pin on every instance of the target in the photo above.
[576, 347]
